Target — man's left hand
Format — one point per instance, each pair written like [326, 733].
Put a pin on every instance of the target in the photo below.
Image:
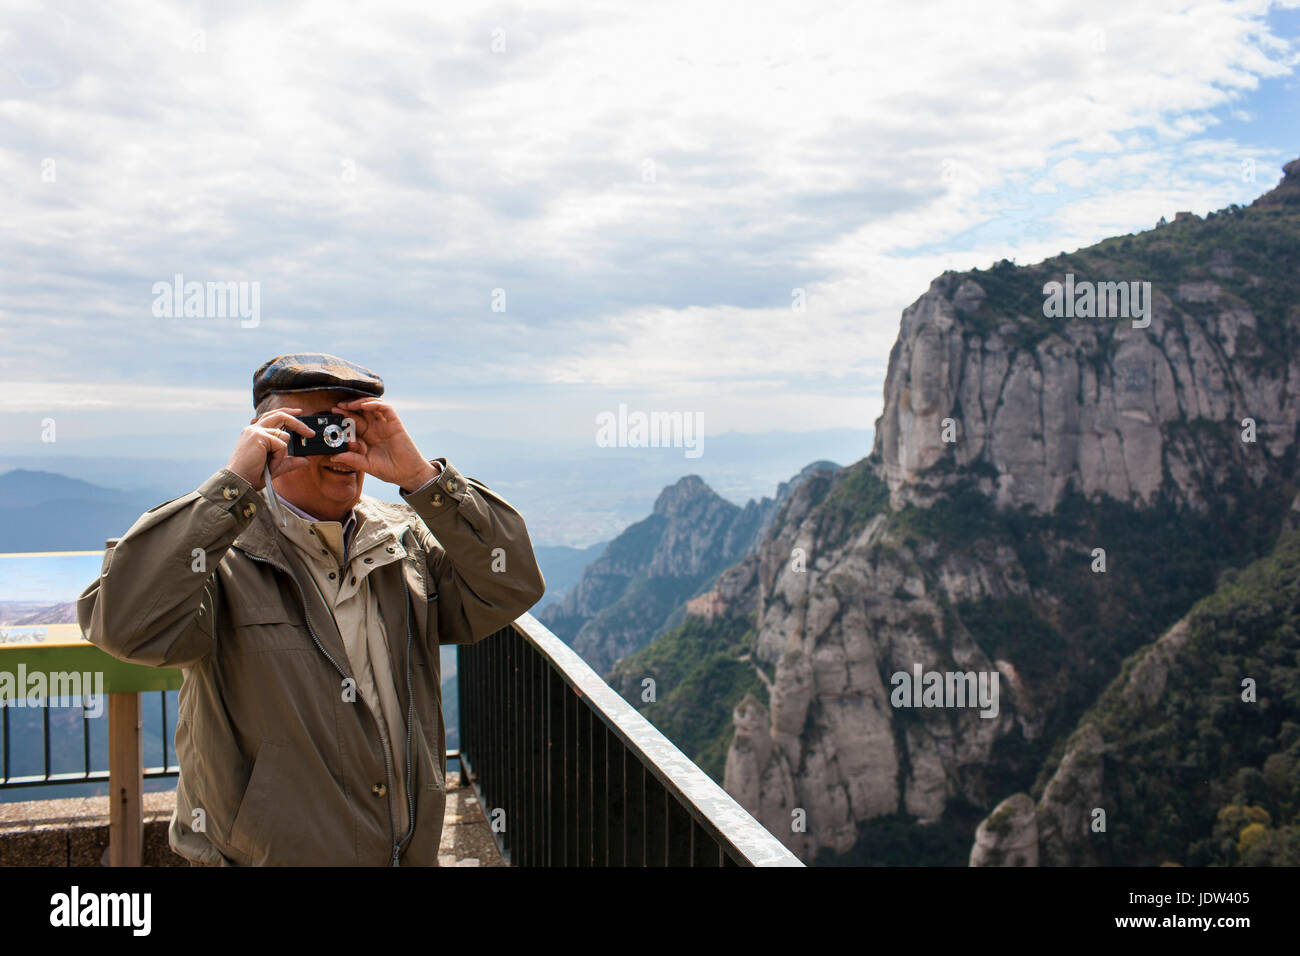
[383, 447]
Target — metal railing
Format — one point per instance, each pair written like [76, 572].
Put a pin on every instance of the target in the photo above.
[567, 771]
[168, 768]
[569, 774]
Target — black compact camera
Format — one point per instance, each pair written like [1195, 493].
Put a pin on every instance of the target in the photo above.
[333, 432]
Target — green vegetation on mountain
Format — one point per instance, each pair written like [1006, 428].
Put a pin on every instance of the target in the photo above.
[1070, 638]
[701, 671]
[1205, 776]
[1261, 241]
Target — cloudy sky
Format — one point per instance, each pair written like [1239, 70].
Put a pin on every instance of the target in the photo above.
[522, 215]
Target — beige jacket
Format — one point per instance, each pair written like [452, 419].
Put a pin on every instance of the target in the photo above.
[355, 606]
[278, 766]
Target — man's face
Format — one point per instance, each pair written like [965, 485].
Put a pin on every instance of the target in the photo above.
[324, 489]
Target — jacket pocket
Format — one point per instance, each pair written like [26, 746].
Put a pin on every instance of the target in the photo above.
[265, 627]
[248, 830]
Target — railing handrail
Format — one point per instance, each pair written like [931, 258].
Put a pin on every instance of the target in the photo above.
[716, 810]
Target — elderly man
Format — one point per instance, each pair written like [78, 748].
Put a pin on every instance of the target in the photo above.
[306, 618]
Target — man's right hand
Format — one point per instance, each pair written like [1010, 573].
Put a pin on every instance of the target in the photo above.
[266, 436]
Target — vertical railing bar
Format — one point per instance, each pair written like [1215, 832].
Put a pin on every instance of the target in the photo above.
[502, 795]
[534, 726]
[526, 736]
[691, 844]
[586, 805]
[580, 782]
[85, 740]
[574, 755]
[483, 735]
[45, 743]
[516, 820]
[162, 699]
[667, 827]
[481, 741]
[464, 708]
[548, 855]
[590, 787]
[562, 784]
[565, 796]
[517, 815]
[515, 823]
[489, 732]
[479, 731]
[534, 780]
[489, 716]
[503, 709]
[622, 782]
[602, 827]
[503, 732]
[494, 708]
[507, 702]
[529, 727]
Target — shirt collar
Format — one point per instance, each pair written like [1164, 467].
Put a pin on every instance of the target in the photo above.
[349, 522]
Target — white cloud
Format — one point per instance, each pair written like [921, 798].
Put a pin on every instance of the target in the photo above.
[381, 171]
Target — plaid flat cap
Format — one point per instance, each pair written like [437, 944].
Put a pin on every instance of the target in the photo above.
[311, 372]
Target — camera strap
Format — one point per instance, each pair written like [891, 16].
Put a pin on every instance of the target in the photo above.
[271, 498]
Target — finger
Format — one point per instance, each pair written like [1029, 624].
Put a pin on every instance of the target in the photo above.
[371, 405]
[359, 422]
[280, 466]
[350, 459]
[282, 419]
[277, 411]
[273, 443]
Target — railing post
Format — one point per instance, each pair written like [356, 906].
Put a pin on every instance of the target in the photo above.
[125, 781]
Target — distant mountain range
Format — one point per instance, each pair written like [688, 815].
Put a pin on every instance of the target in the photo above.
[562, 566]
[43, 511]
[25, 613]
[639, 586]
[571, 493]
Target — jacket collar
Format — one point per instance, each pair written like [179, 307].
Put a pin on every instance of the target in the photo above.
[376, 522]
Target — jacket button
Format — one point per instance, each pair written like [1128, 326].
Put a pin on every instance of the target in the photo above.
[250, 509]
[379, 790]
[451, 484]
[331, 575]
[372, 560]
[230, 492]
[436, 499]
[390, 550]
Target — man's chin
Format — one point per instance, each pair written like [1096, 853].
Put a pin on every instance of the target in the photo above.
[340, 488]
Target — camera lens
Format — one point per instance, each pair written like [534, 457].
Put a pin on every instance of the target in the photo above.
[332, 435]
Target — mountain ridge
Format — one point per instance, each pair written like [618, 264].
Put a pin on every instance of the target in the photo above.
[639, 585]
[1075, 441]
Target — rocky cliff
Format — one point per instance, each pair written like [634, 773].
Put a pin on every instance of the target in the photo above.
[1191, 755]
[1046, 495]
[639, 586]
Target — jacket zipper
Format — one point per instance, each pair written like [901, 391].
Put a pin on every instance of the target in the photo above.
[410, 723]
[388, 759]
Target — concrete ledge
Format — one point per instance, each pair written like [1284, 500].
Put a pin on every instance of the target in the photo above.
[74, 832]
